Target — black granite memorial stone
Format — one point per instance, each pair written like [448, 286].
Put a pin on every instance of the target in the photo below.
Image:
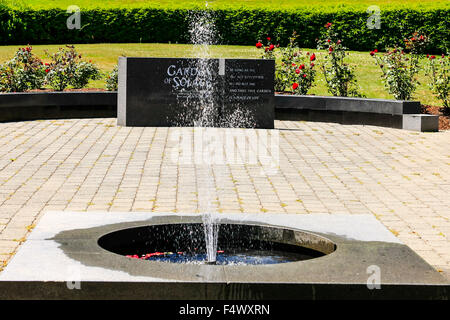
[165, 92]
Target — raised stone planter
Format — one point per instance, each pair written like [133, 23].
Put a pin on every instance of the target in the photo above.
[385, 113]
[57, 105]
[377, 112]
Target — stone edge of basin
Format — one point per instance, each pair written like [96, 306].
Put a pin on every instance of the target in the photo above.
[129, 288]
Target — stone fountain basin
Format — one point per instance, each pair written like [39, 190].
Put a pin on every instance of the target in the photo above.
[64, 247]
[235, 239]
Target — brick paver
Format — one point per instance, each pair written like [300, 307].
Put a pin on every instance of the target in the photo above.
[401, 177]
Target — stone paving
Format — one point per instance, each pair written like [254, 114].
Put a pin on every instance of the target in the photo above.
[401, 177]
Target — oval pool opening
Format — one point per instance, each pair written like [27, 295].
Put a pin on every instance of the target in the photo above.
[237, 244]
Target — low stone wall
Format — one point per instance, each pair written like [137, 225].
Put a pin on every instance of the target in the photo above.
[360, 105]
[57, 105]
[377, 112]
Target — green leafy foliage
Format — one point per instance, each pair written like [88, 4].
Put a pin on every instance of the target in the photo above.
[322, 5]
[236, 25]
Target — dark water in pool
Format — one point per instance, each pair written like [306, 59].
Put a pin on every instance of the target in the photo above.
[248, 257]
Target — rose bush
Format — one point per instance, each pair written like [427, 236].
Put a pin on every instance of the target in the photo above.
[67, 68]
[400, 67]
[23, 72]
[84, 72]
[62, 68]
[112, 80]
[438, 71]
[339, 76]
[268, 49]
[294, 70]
[306, 73]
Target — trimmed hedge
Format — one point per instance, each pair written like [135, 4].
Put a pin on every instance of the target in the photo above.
[235, 26]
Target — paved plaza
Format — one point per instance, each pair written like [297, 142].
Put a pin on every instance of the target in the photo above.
[401, 177]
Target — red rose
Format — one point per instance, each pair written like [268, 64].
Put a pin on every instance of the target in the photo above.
[259, 45]
[328, 25]
[433, 57]
[313, 57]
[268, 38]
[372, 53]
[47, 70]
[312, 64]
[428, 55]
[297, 71]
[328, 40]
[302, 66]
[304, 76]
[330, 49]
[376, 50]
[293, 64]
[271, 47]
[295, 85]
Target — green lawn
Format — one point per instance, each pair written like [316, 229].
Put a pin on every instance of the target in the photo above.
[106, 55]
[276, 4]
